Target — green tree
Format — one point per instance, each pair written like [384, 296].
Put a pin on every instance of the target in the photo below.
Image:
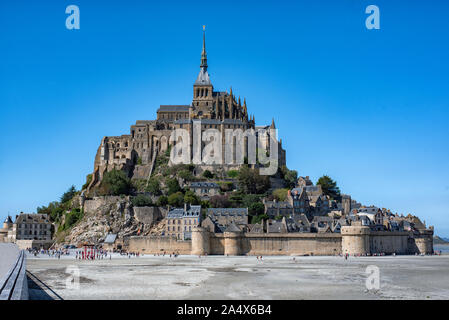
[191, 198]
[259, 218]
[154, 186]
[280, 194]
[173, 186]
[233, 174]
[176, 199]
[250, 181]
[185, 174]
[207, 174]
[115, 182]
[88, 181]
[256, 208]
[226, 186]
[72, 217]
[329, 187]
[142, 201]
[219, 201]
[290, 176]
[68, 195]
[162, 201]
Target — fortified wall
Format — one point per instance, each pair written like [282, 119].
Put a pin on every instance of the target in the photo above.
[354, 240]
[158, 244]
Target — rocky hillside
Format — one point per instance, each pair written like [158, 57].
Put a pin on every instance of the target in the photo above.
[112, 214]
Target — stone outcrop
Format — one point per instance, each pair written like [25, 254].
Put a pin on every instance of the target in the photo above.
[111, 214]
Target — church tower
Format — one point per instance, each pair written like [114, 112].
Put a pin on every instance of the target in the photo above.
[202, 89]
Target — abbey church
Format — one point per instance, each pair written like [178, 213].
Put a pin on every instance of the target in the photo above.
[136, 152]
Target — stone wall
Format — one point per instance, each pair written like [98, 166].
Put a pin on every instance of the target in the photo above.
[231, 243]
[38, 244]
[152, 245]
[352, 240]
[92, 205]
[149, 215]
[361, 240]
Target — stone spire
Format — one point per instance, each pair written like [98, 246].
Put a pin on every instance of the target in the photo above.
[203, 76]
[272, 124]
[203, 53]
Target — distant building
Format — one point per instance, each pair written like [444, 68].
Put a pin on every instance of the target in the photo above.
[7, 229]
[205, 190]
[222, 218]
[277, 208]
[180, 222]
[31, 227]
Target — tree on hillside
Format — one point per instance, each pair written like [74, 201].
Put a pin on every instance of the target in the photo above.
[176, 199]
[173, 186]
[329, 187]
[290, 176]
[280, 194]
[115, 183]
[219, 201]
[191, 198]
[207, 174]
[250, 181]
[68, 195]
[154, 186]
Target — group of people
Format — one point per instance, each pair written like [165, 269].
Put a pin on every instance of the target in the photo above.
[53, 253]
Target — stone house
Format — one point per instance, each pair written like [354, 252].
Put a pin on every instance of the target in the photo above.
[205, 190]
[31, 227]
[180, 222]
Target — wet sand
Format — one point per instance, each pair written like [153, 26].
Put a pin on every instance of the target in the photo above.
[218, 277]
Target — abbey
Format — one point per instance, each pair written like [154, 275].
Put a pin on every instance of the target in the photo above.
[209, 109]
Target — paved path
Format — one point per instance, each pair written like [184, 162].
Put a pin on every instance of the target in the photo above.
[8, 256]
[218, 277]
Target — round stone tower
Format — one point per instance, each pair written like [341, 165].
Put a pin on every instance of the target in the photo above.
[232, 243]
[355, 240]
[200, 241]
[7, 224]
[424, 241]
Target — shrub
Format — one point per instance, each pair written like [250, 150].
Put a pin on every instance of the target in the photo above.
[176, 199]
[226, 186]
[280, 194]
[72, 217]
[259, 218]
[220, 201]
[162, 201]
[185, 174]
[141, 201]
[233, 174]
[115, 182]
[207, 174]
[256, 208]
[191, 197]
[173, 186]
[250, 181]
[88, 181]
[154, 186]
[68, 195]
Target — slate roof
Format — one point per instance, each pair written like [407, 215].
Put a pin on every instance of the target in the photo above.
[203, 78]
[32, 218]
[227, 211]
[174, 108]
[178, 213]
[204, 185]
[232, 228]
[110, 238]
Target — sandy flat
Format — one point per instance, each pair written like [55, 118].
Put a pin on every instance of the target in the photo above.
[218, 277]
[8, 256]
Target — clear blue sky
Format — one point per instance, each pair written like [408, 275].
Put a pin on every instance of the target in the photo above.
[370, 108]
